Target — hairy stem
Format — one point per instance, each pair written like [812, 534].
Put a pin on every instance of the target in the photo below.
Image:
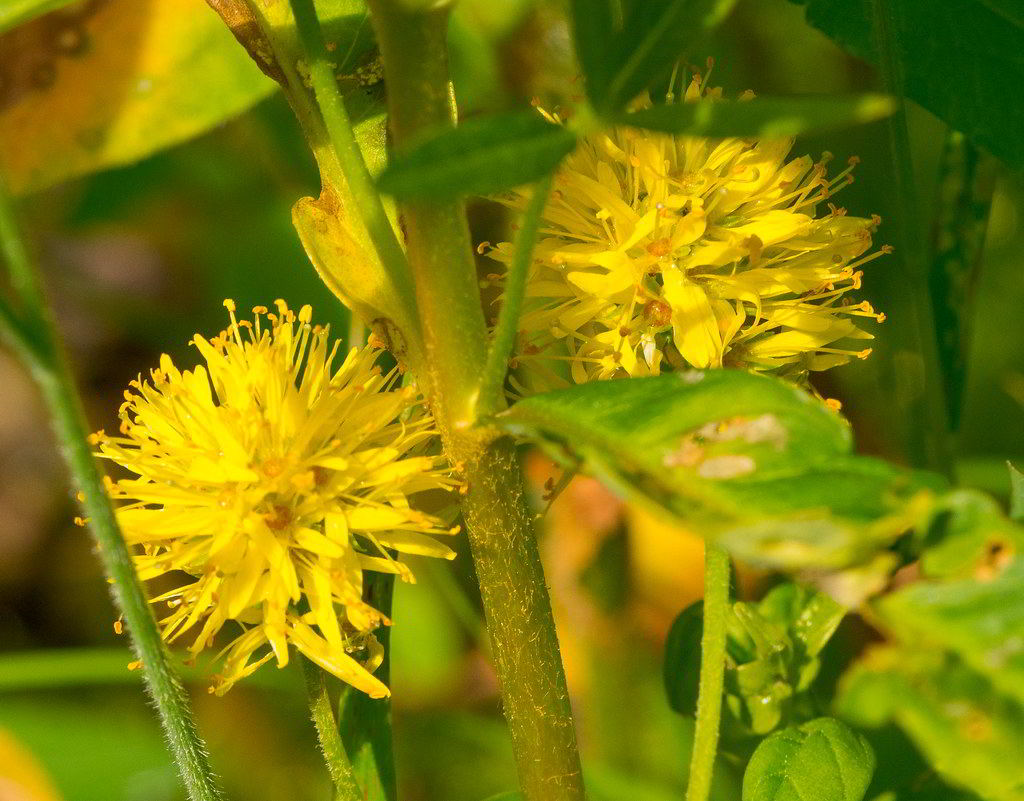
[492, 383]
[322, 712]
[516, 603]
[712, 672]
[53, 375]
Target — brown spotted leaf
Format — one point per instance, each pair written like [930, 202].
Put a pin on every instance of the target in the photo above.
[106, 82]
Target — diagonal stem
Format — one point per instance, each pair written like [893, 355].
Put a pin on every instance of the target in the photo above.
[492, 382]
[56, 382]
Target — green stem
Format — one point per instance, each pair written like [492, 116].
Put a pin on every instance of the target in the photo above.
[712, 672]
[345, 147]
[504, 548]
[322, 711]
[518, 614]
[492, 382]
[366, 722]
[53, 375]
[924, 402]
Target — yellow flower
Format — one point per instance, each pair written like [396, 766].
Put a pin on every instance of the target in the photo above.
[663, 251]
[265, 484]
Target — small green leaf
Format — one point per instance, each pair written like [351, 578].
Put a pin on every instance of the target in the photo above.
[1016, 494]
[972, 735]
[655, 36]
[681, 670]
[763, 117]
[481, 156]
[752, 460]
[810, 616]
[822, 760]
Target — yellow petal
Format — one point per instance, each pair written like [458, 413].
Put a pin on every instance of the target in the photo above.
[695, 329]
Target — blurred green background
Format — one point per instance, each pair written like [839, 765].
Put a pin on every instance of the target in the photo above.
[139, 258]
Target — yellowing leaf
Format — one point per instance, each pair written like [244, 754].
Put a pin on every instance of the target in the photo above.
[108, 82]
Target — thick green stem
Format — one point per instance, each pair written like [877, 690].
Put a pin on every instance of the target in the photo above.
[517, 610]
[928, 443]
[492, 383]
[322, 711]
[516, 603]
[55, 380]
[712, 672]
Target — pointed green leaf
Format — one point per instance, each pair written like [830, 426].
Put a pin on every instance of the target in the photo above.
[481, 156]
[762, 117]
[822, 760]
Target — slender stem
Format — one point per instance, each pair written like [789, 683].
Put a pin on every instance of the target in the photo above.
[712, 672]
[492, 382]
[13, 331]
[924, 400]
[343, 140]
[24, 277]
[322, 711]
[53, 375]
[504, 548]
[366, 722]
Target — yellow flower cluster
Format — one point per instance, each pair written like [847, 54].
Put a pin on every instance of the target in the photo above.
[265, 483]
[659, 252]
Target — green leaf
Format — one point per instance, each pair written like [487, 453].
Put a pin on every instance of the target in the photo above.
[974, 45]
[755, 462]
[972, 735]
[682, 659]
[967, 534]
[481, 156]
[112, 90]
[1016, 494]
[764, 117]
[822, 760]
[811, 617]
[656, 35]
[980, 618]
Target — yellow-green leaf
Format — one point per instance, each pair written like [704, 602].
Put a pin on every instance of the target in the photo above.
[108, 82]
